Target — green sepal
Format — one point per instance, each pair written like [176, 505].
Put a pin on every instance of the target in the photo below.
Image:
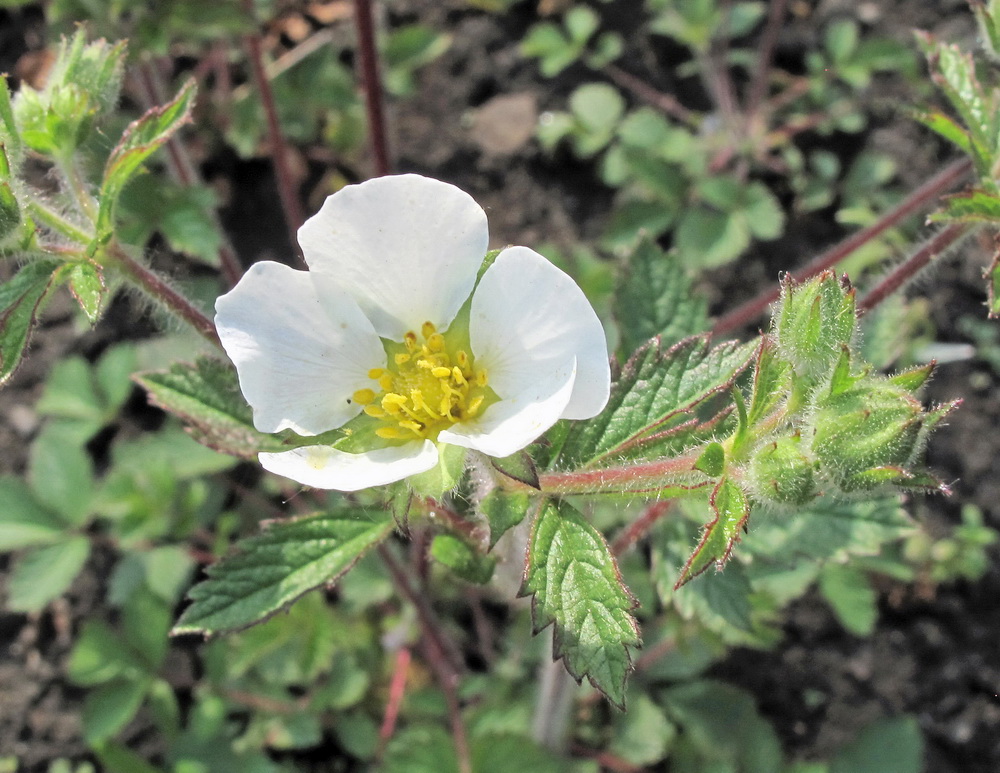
[712, 460]
[462, 559]
[913, 379]
[518, 466]
[21, 300]
[770, 378]
[730, 508]
[272, 569]
[400, 502]
[206, 396]
[504, 510]
[578, 588]
[444, 475]
[86, 283]
[141, 139]
[813, 322]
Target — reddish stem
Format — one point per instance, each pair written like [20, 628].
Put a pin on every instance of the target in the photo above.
[665, 102]
[371, 82]
[765, 55]
[160, 291]
[637, 478]
[913, 265]
[397, 688]
[287, 189]
[640, 526]
[436, 653]
[918, 199]
[183, 170]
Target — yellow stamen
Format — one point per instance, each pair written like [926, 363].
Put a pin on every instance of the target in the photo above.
[375, 412]
[402, 358]
[364, 397]
[376, 373]
[440, 372]
[390, 433]
[436, 342]
[481, 378]
[428, 329]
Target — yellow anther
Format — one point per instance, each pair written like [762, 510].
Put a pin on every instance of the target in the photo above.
[412, 426]
[425, 364]
[456, 373]
[390, 433]
[481, 378]
[375, 412]
[435, 342]
[462, 359]
[473, 408]
[376, 373]
[440, 372]
[364, 397]
[410, 340]
[402, 358]
[386, 381]
[428, 329]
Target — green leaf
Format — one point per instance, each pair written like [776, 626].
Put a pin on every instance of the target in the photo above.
[109, 708]
[274, 568]
[24, 522]
[86, 282]
[730, 510]
[577, 586]
[655, 297]
[655, 387]
[945, 126]
[706, 238]
[98, 657]
[206, 396]
[420, 749]
[45, 573]
[504, 511]
[463, 559]
[141, 139]
[644, 734]
[69, 393]
[969, 207]
[886, 746]
[852, 597]
[518, 466]
[502, 753]
[61, 474]
[21, 300]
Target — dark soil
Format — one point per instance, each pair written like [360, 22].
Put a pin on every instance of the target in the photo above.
[934, 656]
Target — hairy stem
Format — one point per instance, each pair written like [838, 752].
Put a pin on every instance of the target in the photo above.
[182, 168]
[77, 186]
[371, 82]
[157, 289]
[905, 271]
[56, 222]
[640, 526]
[916, 201]
[648, 477]
[287, 193]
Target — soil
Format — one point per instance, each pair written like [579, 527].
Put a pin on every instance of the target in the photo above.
[935, 656]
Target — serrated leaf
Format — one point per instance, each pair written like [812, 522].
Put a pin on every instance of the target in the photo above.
[655, 387]
[463, 559]
[206, 396]
[140, 140]
[706, 238]
[24, 522]
[272, 569]
[21, 300]
[61, 474]
[654, 297]
[730, 509]
[504, 511]
[969, 207]
[945, 127]
[578, 588]
[44, 574]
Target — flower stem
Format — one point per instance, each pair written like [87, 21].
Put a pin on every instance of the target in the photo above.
[909, 268]
[918, 199]
[76, 185]
[372, 84]
[157, 289]
[287, 193]
[677, 474]
[58, 223]
[640, 526]
[765, 55]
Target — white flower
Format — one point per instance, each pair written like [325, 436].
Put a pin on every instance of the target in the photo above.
[380, 340]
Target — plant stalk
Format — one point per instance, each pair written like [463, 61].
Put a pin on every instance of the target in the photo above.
[371, 82]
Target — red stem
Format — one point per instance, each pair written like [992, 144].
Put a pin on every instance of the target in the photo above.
[397, 688]
[765, 55]
[371, 82]
[640, 526]
[665, 102]
[918, 199]
[637, 478]
[287, 189]
[913, 265]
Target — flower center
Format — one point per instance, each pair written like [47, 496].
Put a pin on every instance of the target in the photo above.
[424, 389]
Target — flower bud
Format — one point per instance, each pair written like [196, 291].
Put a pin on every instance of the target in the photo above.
[781, 473]
[814, 321]
[864, 436]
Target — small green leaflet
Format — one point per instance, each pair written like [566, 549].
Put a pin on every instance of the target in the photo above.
[654, 297]
[730, 511]
[206, 396]
[654, 389]
[975, 206]
[21, 299]
[141, 139]
[577, 586]
[272, 569]
[86, 282]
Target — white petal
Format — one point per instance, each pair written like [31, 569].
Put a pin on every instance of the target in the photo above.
[326, 468]
[299, 357]
[406, 248]
[528, 318]
[511, 424]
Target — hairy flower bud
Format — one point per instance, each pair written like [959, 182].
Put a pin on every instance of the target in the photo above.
[781, 473]
[813, 322]
[865, 436]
